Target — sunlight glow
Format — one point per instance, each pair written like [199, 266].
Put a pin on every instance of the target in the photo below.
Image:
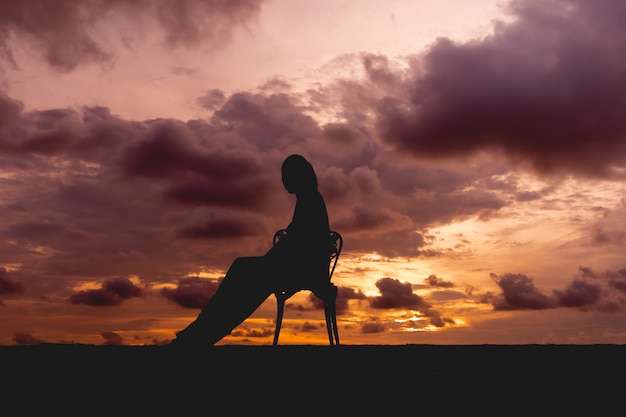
[87, 285]
[211, 274]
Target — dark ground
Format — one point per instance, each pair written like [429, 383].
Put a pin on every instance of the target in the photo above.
[440, 380]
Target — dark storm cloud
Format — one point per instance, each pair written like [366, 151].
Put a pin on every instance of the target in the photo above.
[112, 293]
[191, 292]
[65, 31]
[549, 88]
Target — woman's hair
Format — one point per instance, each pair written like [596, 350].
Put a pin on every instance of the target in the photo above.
[299, 173]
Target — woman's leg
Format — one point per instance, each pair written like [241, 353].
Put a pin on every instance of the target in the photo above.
[246, 285]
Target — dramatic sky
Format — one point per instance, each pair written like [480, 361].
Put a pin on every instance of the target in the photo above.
[472, 155]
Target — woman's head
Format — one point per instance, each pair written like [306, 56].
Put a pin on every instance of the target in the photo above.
[298, 175]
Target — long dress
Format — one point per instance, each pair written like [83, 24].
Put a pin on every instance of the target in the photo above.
[298, 261]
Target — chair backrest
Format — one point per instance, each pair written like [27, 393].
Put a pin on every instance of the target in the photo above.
[336, 245]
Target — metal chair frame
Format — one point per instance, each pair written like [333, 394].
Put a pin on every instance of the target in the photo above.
[326, 292]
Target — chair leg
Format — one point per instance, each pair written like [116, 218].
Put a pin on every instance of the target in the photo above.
[330, 311]
[334, 319]
[280, 301]
[329, 323]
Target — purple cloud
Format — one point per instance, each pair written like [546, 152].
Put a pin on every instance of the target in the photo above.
[112, 339]
[519, 293]
[539, 88]
[395, 294]
[191, 292]
[23, 339]
[9, 285]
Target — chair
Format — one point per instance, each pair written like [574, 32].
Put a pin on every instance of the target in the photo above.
[327, 292]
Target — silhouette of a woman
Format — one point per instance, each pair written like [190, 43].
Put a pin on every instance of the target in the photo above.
[298, 260]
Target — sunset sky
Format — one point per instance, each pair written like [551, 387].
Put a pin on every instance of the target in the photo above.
[471, 153]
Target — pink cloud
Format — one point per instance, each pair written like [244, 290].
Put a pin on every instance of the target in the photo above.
[64, 32]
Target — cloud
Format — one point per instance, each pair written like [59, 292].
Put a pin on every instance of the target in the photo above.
[112, 293]
[585, 293]
[538, 88]
[91, 195]
[190, 22]
[59, 29]
[242, 331]
[619, 282]
[10, 110]
[8, 285]
[104, 196]
[273, 121]
[395, 294]
[112, 339]
[171, 148]
[221, 225]
[307, 326]
[344, 295]
[191, 292]
[578, 293]
[35, 230]
[434, 281]
[519, 293]
[373, 327]
[212, 99]
[66, 33]
[22, 339]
